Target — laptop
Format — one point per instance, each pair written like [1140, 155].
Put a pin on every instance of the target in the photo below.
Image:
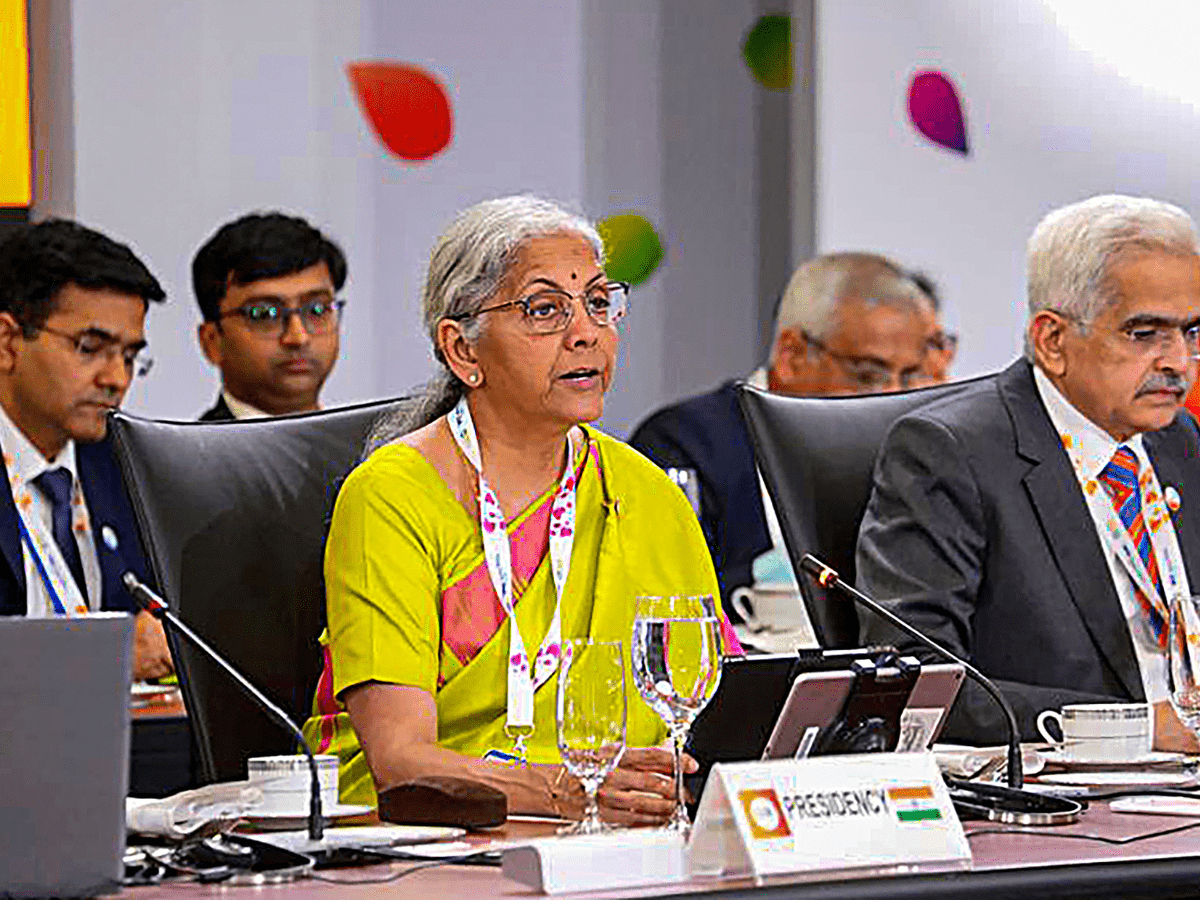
[64, 754]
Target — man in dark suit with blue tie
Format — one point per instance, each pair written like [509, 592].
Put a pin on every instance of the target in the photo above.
[72, 310]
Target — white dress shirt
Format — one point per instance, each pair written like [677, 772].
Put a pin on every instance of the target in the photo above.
[23, 462]
[1090, 449]
[242, 410]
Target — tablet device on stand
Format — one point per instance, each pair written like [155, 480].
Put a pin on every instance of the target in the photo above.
[901, 706]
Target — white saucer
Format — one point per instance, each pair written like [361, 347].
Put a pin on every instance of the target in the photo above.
[144, 689]
[291, 819]
[1153, 759]
[1121, 780]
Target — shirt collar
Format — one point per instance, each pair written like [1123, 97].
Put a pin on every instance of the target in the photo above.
[758, 379]
[242, 410]
[23, 461]
[1089, 446]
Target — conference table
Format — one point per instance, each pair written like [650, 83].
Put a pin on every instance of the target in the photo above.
[1009, 861]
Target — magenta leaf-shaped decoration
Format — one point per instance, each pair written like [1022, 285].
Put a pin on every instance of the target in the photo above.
[936, 112]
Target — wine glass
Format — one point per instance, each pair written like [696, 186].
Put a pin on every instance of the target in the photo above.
[591, 718]
[1183, 648]
[676, 667]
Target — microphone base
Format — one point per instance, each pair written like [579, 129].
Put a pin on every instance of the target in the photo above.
[1010, 806]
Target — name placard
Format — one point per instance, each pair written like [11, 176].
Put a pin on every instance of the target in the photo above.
[870, 812]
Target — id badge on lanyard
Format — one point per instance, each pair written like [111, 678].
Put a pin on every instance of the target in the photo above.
[1165, 548]
[523, 678]
[61, 587]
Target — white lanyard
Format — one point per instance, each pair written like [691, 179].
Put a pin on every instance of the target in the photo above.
[1163, 540]
[61, 587]
[498, 553]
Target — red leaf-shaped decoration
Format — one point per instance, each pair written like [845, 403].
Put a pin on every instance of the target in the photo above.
[407, 107]
[935, 110]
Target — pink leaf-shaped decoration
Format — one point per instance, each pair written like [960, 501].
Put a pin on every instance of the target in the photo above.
[936, 112]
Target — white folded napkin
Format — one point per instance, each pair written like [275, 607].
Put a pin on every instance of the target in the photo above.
[178, 815]
[961, 761]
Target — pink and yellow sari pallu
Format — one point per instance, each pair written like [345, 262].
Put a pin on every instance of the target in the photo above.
[635, 534]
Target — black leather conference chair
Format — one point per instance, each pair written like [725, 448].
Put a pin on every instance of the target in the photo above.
[817, 457]
[234, 517]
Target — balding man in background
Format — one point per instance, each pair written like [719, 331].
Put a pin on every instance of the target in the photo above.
[848, 323]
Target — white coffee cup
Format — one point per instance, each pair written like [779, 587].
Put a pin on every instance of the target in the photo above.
[286, 782]
[770, 607]
[1101, 731]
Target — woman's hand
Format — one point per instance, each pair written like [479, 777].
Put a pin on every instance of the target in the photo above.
[641, 790]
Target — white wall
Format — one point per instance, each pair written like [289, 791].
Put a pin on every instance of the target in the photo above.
[671, 134]
[1049, 122]
[190, 112]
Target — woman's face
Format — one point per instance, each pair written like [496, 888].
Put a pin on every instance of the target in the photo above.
[560, 377]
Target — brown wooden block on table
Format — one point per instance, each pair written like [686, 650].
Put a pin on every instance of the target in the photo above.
[443, 800]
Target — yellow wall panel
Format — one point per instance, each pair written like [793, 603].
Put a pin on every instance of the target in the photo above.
[16, 164]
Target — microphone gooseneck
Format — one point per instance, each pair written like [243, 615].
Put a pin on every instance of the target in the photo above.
[157, 607]
[828, 578]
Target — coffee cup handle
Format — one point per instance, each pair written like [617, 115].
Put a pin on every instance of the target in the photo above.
[1041, 725]
[740, 601]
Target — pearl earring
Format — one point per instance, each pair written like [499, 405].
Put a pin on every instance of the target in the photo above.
[473, 377]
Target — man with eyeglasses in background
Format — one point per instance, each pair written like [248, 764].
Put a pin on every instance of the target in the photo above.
[267, 288]
[72, 312]
[847, 323]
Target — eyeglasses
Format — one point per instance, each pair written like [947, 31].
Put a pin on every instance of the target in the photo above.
[870, 375]
[267, 318]
[550, 311]
[944, 342]
[1158, 340]
[93, 346]
[1154, 337]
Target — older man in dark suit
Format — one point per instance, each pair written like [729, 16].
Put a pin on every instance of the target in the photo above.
[72, 312]
[848, 323]
[1041, 522]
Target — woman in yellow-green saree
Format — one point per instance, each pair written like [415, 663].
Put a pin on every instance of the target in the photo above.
[490, 524]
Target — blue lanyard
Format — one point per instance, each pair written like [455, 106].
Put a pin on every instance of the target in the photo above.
[41, 567]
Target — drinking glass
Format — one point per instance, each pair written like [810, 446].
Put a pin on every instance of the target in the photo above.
[591, 718]
[1183, 648]
[676, 667]
[689, 482]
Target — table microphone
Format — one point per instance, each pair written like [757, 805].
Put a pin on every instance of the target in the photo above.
[828, 578]
[157, 607]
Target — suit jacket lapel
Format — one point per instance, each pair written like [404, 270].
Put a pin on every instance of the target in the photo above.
[96, 481]
[10, 547]
[1067, 525]
[1168, 451]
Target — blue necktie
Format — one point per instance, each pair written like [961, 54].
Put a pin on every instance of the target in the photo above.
[1120, 479]
[56, 485]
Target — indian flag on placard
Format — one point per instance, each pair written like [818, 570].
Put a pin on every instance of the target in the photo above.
[915, 803]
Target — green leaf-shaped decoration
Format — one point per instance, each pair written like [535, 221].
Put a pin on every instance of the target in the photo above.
[768, 52]
[632, 248]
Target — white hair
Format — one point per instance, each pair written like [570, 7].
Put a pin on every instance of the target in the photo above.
[1073, 251]
[816, 289]
[467, 266]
